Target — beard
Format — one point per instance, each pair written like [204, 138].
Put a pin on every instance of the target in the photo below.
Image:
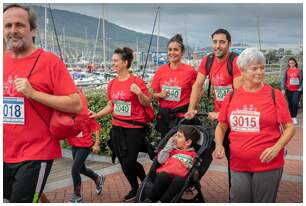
[16, 44]
[220, 54]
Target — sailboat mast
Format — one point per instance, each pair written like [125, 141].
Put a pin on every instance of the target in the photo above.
[258, 32]
[103, 24]
[95, 46]
[46, 23]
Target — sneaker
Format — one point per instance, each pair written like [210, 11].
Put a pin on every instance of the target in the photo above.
[295, 121]
[76, 198]
[99, 184]
[130, 196]
[147, 200]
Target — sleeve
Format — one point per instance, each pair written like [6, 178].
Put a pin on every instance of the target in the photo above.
[301, 81]
[109, 86]
[236, 69]
[142, 85]
[202, 69]
[62, 81]
[155, 82]
[194, 76]
[283, 114]
[222, 118]
[164, 154]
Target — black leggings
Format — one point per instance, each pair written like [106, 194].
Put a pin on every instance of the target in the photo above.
[165, 187]
[293, 98]
[133, 139]
[78, 167]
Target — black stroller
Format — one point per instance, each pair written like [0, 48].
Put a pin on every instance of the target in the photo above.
[204, 150]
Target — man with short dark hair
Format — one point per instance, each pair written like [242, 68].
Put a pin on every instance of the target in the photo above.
[221, 80]
[35, 83]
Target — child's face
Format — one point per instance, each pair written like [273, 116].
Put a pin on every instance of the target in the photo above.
[181, 142]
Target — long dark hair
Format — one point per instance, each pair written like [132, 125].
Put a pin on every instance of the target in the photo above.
[293, 59]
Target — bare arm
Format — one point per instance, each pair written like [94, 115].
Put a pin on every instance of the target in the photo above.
[219, 137]
[270, 153]
[96, 146]
[106, 110]
[68, 103]
[196, 92]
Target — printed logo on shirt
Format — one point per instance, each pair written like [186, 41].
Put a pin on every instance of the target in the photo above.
[245, 121]
[9, 87]
[185, 159]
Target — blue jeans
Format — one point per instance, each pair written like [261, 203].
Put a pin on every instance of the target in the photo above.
[293, 102]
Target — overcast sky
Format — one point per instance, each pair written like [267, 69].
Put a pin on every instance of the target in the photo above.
[280, 24]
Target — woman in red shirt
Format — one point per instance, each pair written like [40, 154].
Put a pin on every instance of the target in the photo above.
[292, 85]
[254, 113]
[172, 84]
[127, 97]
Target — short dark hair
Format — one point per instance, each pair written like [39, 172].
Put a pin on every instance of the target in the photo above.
[190, 132]
[32, 15]
[126, 54]
[293, 59]
[222, 31]
[179, 39]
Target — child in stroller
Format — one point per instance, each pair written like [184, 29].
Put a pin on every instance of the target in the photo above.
[177, 157]
[167, 184]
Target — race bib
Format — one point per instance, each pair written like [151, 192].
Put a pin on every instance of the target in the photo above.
[122, 108]
[294, 81]
[13, 110]
[245, 121]
[174, 93]
[221, 91]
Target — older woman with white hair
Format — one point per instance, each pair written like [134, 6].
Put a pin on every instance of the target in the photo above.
[254, 113]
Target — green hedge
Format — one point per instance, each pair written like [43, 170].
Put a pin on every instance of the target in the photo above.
[97, 101]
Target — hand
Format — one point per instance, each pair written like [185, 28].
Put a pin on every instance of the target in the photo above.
[172, 141]
[213, 116]
[219, 152]
[283, 91]
[190, 114]
[269, 154]
[23, 86]
[92, 114]
[163, 94]
[95, 149]
[135, 89]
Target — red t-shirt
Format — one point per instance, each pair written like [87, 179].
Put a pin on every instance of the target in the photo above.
[31, 139]
[125, 104]
[177, 81]
[293, 79]
[87, 125]
[221, 80]
[178, 163]
[254, 122]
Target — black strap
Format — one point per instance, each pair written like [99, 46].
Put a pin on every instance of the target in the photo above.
[132, 122]
[30, 101]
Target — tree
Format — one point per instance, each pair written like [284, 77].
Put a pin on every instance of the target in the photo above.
[288, 52]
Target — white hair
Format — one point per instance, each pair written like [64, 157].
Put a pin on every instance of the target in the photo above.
[249, 56]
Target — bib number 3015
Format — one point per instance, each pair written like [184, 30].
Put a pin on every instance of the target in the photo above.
[245, 121]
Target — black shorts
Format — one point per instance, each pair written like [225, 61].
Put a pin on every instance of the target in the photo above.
[25, 181]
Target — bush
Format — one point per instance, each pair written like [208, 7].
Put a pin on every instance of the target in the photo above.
[97, 100]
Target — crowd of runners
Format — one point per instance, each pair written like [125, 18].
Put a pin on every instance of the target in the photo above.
[254, 121]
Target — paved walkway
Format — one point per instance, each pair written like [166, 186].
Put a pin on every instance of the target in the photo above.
[214, 183]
